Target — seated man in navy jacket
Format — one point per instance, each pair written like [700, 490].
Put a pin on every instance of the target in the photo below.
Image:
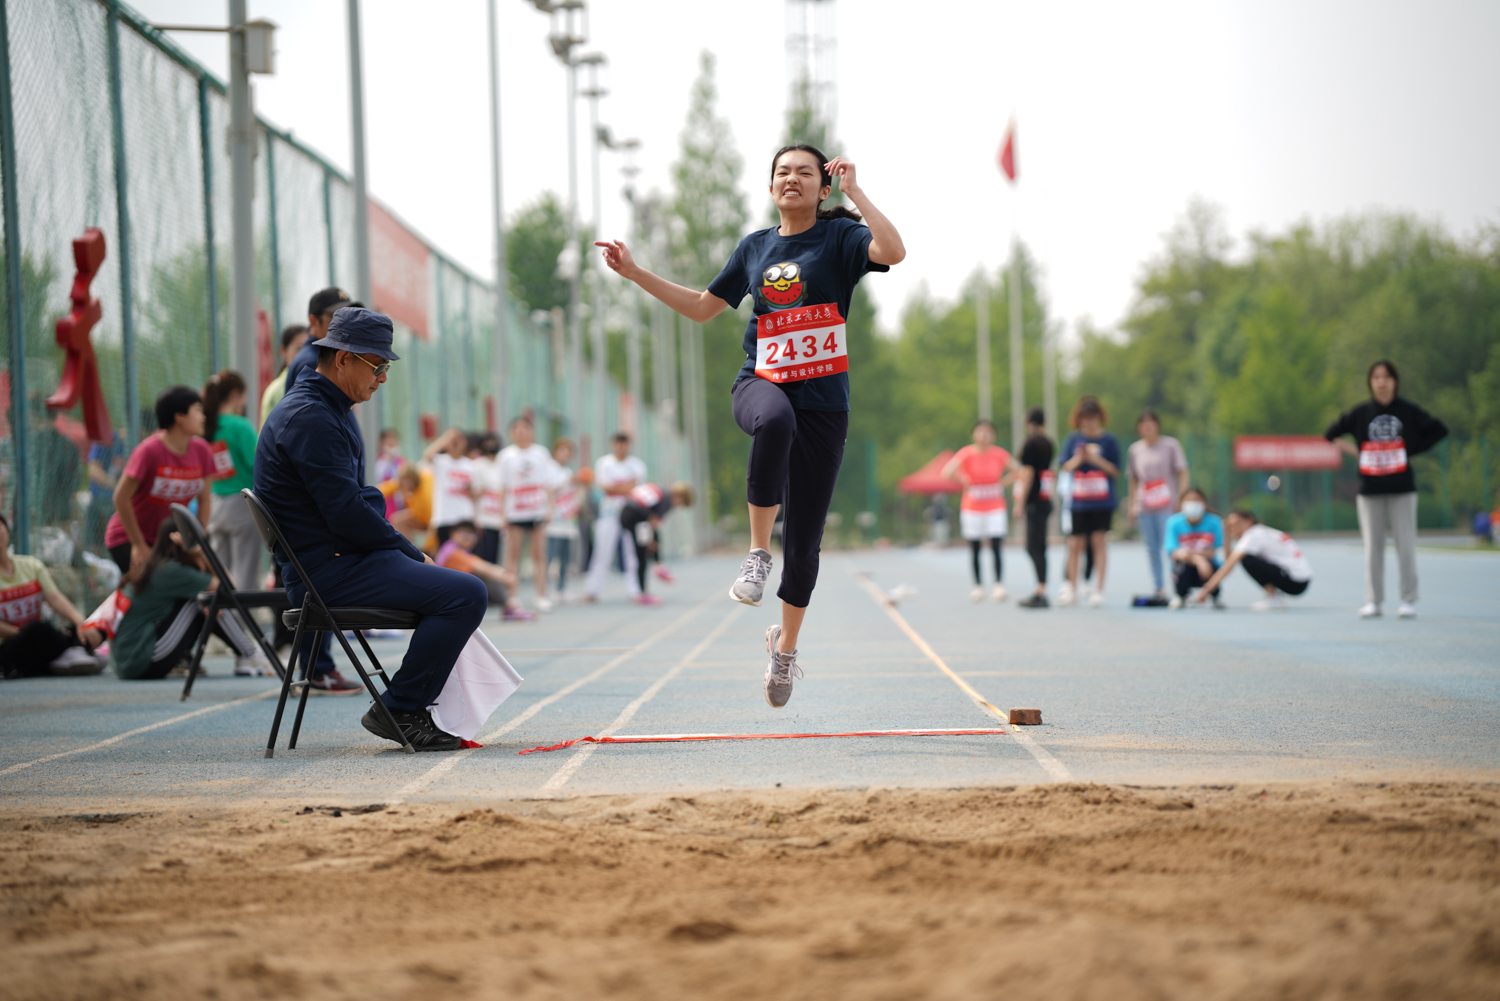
[310, 472]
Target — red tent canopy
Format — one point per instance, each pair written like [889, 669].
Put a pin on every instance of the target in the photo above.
[930, 479]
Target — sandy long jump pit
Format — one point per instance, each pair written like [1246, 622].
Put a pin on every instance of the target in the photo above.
[1318, 890]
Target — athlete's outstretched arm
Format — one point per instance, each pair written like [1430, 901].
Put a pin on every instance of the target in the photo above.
[700, 307]
[885, 243]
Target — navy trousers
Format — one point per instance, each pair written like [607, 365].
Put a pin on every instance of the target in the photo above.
[451, 604]
[794, 461]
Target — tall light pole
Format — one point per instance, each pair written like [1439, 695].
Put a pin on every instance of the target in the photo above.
[982, 350]
[599, 348]
[369, 412]
[500, 349]
[570, 29]
[634, 379]
[242, 187]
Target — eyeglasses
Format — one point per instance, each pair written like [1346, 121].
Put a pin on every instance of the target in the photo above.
[380, 370]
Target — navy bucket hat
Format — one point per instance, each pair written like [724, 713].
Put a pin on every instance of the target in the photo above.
[362, 331]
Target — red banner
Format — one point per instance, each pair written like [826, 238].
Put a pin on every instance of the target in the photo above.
[399, 271]
[1285, 451]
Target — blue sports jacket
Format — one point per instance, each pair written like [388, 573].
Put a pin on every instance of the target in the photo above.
[310, 472]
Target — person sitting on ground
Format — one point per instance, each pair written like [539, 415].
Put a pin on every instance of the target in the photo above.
[30, 647]
[1192, 540]
[645, 508]
[310, 475]
[158, 630]
[458, 554]
[1273, 558]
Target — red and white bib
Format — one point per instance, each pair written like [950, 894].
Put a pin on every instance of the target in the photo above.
[802, 343]
[1156, 495]
[1092, 485]
[1382, 458]
[527, 502]
[177, 484]
[1198, 542]
[223, 461]
[646, 495]
[1049, 485]
[22, 605]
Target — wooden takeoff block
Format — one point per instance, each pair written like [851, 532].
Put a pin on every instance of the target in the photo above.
[1026, 717]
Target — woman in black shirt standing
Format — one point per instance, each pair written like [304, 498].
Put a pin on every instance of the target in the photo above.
[1034, 492]
[1387, 432]
[792, 394]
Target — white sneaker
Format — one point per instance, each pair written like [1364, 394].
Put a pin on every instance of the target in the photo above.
[1370, 611]
[252, 667]
[1066, 595]
[1176, 603]
[977, 594]
[1096, 599]
[75, 660]
[750, 585]
[544, 604]
[1406, 611]
[1272, 603]
[997, 593]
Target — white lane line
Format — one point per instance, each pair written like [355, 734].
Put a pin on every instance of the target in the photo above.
[140, 730]
[1054, 768]
[571, 766]
[445, 766]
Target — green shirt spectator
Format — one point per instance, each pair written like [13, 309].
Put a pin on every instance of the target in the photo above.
[234, 438]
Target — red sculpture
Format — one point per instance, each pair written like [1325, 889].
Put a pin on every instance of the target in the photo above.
[80, 378]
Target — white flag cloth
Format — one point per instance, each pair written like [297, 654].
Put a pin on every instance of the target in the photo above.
[481, 680]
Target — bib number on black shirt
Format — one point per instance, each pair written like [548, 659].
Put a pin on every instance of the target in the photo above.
[804, 343]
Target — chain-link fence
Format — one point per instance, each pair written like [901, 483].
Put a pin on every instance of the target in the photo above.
[111, 126]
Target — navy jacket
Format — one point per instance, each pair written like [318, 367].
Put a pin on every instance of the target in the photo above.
[310, 471]
[304, 362]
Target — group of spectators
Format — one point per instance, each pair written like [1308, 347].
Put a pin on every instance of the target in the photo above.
[467, 504]
[1181, 535]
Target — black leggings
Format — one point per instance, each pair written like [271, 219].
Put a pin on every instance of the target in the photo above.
[1265, 572]
[976, 546]
[1185, 577]
[1037, 513]
[28, 652]
[794, 461]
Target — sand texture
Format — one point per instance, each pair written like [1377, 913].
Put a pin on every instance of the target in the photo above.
[1315, 890]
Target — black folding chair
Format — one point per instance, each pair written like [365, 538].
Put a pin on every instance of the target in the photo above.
[315, 616]
[227, 596]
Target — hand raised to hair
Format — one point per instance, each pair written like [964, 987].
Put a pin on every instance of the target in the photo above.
[617, 256]
[844, 170]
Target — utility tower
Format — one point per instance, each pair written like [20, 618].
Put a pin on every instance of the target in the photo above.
[811, 60]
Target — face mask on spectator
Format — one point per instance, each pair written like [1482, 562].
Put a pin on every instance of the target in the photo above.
[1194, 509]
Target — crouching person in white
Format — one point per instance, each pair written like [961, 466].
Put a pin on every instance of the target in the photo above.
[1272, 558]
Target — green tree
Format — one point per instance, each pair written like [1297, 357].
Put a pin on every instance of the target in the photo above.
[706, 219]
[533, 241]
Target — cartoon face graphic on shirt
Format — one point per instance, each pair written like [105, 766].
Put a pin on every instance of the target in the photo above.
[1385, 427]
[781, 285]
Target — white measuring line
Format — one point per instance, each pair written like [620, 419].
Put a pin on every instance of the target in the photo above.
[139, 730]
[571, 766]
[1056, 769]
[443, 767]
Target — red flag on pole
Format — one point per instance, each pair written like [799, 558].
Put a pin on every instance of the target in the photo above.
[1006, 158]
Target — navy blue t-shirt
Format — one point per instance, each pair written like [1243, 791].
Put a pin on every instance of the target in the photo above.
[812, 275]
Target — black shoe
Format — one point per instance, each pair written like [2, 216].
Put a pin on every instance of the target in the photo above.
[418, 727]
[1035, 601]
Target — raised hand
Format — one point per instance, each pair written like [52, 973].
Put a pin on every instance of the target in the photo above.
[617, 256]
[844, 170]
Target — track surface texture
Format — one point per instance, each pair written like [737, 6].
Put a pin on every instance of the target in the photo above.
[1295, 804]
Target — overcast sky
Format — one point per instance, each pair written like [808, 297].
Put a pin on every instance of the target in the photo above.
[1278, 111]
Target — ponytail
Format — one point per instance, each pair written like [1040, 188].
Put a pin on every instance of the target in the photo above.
[840, 212]
[221, 386]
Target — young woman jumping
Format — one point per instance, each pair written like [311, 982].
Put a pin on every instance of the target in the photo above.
[792, 394]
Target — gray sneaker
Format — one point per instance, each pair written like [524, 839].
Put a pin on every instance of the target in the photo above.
[751, 583]
[780, 672]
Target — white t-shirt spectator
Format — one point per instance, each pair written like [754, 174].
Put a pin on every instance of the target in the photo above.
[1276, 548]
[487, 480]
[567, 497]
[526, 476]
[609, 471]
[452, 490]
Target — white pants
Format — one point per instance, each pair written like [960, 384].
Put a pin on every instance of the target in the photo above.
[233, 534]
[1396, 515]
[606, 541]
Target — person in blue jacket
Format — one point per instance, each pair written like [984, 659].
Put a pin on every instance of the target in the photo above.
[321, 309]
[1092, 455]
[1192, 541]
[310, 473]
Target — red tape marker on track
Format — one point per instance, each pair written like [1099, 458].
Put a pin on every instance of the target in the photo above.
[671, 737]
